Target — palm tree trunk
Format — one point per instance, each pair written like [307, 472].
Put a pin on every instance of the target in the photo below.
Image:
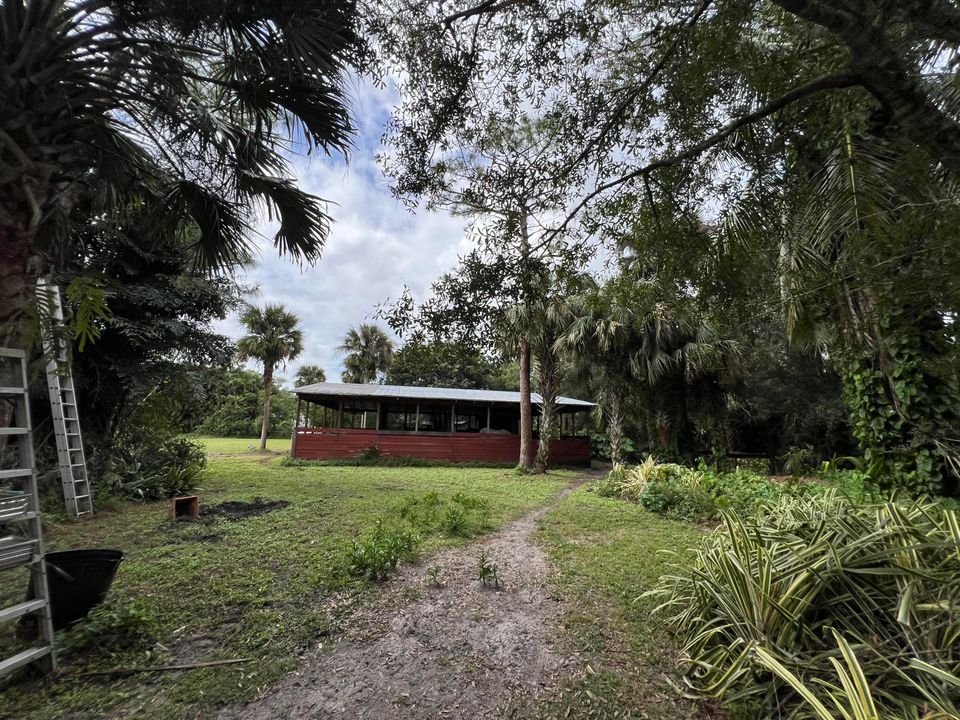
[547, 362]
[267, 390]
[614, 412]
[16, 259]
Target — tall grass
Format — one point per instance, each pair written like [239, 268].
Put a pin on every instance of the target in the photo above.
[820, 608]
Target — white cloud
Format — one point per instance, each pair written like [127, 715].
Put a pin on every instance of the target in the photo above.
[375, 245]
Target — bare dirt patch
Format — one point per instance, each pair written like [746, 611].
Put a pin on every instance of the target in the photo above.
[436, 643]
[240, 510]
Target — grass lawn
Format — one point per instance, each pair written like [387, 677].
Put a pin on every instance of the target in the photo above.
[265, 587]
[605, 554]
[233, 446]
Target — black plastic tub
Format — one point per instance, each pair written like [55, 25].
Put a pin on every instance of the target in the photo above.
[78, 581]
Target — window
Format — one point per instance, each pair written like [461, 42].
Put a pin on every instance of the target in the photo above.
[471, 419]
[434, 418]
[359, 414]
[399, 416]
[505, 419]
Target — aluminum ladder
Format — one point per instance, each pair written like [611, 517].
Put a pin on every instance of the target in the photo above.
[77, 493]
[21, 541]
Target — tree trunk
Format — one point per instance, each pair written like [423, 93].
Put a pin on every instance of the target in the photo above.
[526, 408]
[267, 389]
[549, 381]
[16, 261]
[614, 412]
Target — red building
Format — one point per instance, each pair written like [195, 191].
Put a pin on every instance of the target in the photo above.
[341, 420]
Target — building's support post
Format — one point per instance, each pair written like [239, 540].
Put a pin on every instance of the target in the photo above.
[340, 415]
[378, 415]
[416, 422]
[453, 417]
[297, 423]
[488, 418]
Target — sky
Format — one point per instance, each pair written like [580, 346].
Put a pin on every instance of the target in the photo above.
[376, 244]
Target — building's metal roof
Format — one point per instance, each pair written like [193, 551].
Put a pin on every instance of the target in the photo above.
[405, 392]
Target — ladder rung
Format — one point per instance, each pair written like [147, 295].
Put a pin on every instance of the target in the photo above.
[12, 390]
[18, 472]
[14, 611]
[14, 431]
[28, 515]
[80, 497]
[23, 658]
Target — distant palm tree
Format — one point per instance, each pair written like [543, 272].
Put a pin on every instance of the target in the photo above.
[309, 375]
[273, 339]
[180, 109]
[368, 352]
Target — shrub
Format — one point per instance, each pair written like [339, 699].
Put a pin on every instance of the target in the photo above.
[694, 495]
[377, 555]
[152, 469]
[818, 600]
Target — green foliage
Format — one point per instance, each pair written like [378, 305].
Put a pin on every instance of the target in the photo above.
[309, 375]
[441, 364]
[799, 460]
[600, 447]
[902, 413]
[693, 495]
[89, 303]
[375, 556]
[111, 629]
[461, 515]
[766, 601]
[238, 401]
[488, 573]
[368, 353]
[151, 468]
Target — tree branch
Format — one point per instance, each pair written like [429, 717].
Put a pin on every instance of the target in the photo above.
[644, 86]
[886, 75]
[827, 82]
[488, 7]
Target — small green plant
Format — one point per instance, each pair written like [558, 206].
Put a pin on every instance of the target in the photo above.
[369, 455]
[487, 572]
[433, 576]
[377, 555]
[454, 522]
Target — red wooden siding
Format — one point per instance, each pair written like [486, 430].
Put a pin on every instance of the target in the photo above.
[325, 443]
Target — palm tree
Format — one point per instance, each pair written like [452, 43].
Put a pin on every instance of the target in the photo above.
[309, 375]
[541, 321]
[179, 109]
[273, 339]
[599, 340]
[368, 351]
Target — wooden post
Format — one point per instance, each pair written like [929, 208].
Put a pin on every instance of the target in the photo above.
[488, 418]
[416, 422]
[378, 415]
[453, 418]
[297, 423]
[340, 415]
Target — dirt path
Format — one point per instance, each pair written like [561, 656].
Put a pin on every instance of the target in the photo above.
[421, 651]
